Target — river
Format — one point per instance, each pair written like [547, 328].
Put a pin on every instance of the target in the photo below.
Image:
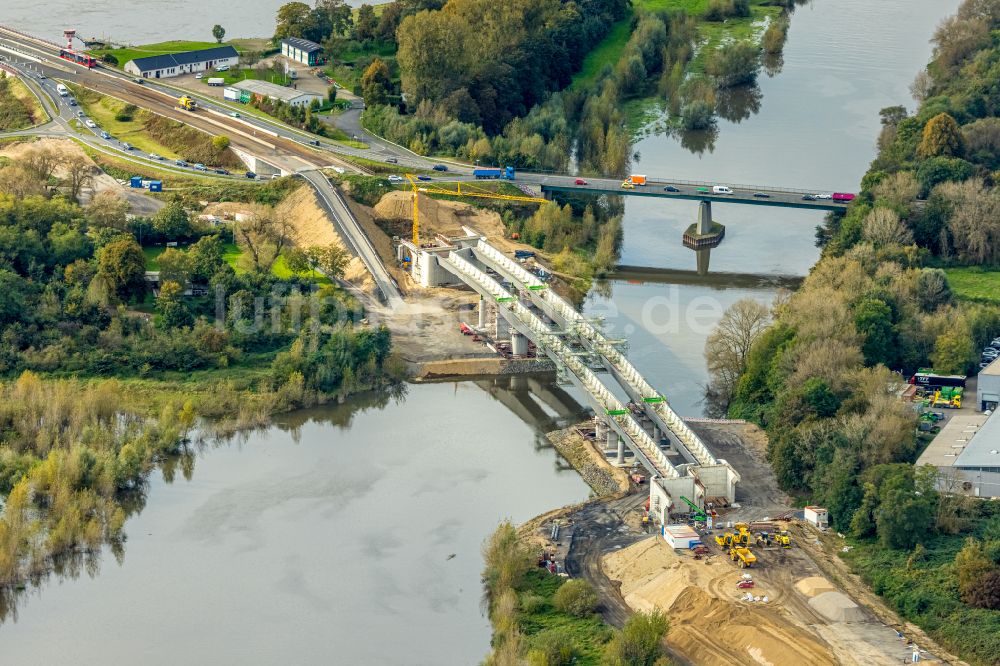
[328, 537]
[816, 129]
[146, 22]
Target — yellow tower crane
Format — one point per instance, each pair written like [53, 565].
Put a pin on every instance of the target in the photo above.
[469, 190]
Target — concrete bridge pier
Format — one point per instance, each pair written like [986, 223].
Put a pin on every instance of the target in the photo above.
[518, 344]
[502, 327]
[704, 225]
[482, 313]
[621, 450]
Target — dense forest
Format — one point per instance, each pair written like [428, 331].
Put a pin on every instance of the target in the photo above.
[820, 378]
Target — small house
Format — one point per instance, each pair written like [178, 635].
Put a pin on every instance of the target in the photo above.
[301, 50]
[817, 516]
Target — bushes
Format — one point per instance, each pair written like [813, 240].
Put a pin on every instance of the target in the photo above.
[576, 597]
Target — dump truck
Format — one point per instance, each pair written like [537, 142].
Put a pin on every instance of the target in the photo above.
[186, 103]
[742, 556]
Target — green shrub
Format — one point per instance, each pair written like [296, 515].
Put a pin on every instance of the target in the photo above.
[575, 597]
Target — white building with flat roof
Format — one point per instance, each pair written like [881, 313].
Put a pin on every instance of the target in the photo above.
[272, 91]
[988, 387]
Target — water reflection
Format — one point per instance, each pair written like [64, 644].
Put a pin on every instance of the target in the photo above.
[699, 141]
[739, 103]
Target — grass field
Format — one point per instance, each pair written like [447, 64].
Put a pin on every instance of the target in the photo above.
[231, 255]
[610, 49]
[102, 110]
[975, 284]
[161, 48]
[28, 99]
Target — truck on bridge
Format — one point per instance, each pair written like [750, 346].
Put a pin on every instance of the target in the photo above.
[507, 173]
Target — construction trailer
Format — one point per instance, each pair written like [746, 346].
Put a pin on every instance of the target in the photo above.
[680, 536]
[818, 516]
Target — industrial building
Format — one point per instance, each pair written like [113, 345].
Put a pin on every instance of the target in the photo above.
[967, 453]
[988, 388]
[272, 91]
[174, 64]
[301, 50]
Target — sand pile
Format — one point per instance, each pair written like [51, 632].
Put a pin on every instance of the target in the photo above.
[838, 607]
[814, 586]
[707, 625]
[439, 216]
[710, 631]
[312, 227]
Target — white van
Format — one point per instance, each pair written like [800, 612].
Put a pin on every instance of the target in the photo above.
[721, 189]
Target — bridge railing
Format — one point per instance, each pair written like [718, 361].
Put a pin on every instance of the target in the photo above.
[660, 407]
[642, 442]
[702, 183]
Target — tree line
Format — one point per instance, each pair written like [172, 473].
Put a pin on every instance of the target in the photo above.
[816, 370]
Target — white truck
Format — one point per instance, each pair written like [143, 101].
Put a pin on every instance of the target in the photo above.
[62, 90]
[216, 81]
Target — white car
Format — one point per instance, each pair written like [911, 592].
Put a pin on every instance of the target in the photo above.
[199, 75]
[90, 123]
[222, 68]
[824, 196]
[395, 179]
[154, 156]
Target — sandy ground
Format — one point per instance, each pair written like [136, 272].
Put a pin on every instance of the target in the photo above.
[810, 617]
[313, 227]
[140, 204]
[438, 216]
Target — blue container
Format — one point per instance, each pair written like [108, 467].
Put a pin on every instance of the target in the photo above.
[156, 186]
[136, 182]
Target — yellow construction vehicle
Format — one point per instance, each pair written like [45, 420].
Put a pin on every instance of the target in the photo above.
[186, 103]
[742, 556]
[724, 540]
[763, 539]
[784, 540]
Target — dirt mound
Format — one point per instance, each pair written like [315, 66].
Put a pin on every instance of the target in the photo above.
[313, 227]
[814, 585]
[439, 216]
[712, 631]
[708, 624]
[838, 607]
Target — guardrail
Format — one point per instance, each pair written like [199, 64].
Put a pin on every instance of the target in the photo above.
[643, 444]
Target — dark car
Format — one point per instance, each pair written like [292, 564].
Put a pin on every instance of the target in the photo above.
[71, 102]
[423, 177]
[762, 195]
[670, 188]
[251, 175]
[181, 163]
[313, 142]
[392, 160]
[808, 197]
[222, 172]
[440, 167]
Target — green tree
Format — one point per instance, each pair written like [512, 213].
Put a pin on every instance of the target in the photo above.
[218, 32]
[13, 297]
[366, 25]
[170, 306]
[971, 564]
[942, 137]
[206, 258]
[123, 266]
[108, 210]
[297, 261]
[172, 221]
[575, 597]
[220, 142]
[953, 351]
[175, 266]
[293, 20]
[873, 319]
[639, 641]
[331, 259]
[376, 83]
[734, 63]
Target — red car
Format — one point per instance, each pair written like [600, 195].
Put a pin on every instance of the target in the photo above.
[744, 584]
[581, 181]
